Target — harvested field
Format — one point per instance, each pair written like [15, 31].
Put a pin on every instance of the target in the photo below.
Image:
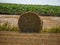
[15, 38]
[48, 21]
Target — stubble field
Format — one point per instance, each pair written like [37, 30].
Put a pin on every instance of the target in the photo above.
[16, 38]
[48, 21]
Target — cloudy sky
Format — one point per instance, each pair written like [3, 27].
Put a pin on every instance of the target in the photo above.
[44, 2]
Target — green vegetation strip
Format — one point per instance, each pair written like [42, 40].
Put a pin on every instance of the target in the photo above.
[18, 9]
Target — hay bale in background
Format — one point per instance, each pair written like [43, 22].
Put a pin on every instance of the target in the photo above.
[30, 22]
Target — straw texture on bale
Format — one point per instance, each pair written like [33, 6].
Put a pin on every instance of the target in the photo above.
[29, 22]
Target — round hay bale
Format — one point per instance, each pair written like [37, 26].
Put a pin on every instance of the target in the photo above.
[30, 22]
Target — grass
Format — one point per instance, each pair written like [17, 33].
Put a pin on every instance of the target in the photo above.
[52, 30]
[7, 27]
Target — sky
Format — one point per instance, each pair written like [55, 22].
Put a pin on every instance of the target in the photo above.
[40, 2]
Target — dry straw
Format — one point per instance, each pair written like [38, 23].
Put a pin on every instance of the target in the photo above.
[30, 22]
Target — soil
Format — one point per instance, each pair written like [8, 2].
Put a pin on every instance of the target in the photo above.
[16, 38]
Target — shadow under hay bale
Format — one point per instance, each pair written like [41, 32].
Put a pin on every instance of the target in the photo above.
[30, 23]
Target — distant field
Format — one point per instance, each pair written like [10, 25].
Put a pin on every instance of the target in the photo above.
[18, 9]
